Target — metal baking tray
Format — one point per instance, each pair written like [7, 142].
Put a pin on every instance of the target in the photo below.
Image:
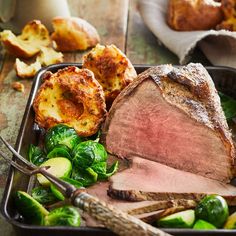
[224, 79]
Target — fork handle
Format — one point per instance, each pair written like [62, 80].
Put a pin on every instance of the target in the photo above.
[117, 221]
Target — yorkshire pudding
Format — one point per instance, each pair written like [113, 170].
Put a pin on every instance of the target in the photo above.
[187, 15]
[34, 35]
[73, 33]
[71, 96]
[24, 70]
[47, 56]
[111, 68]
[229, 9]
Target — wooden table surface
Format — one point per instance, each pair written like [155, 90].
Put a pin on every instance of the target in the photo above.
[118, 22]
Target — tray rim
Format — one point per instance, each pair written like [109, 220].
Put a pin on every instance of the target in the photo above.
[10, 177]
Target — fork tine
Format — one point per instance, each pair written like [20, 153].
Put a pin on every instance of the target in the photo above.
[16, 165]
[66, 188]
[29, 164]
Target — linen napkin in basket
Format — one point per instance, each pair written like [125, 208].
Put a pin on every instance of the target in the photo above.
[218, 46]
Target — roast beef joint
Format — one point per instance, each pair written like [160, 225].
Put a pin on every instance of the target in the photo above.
[172, 116]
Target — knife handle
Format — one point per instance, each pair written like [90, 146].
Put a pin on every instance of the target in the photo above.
[117, 221]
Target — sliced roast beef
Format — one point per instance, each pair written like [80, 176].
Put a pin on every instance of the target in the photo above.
[139, 209]
[172, 116]
[149, 180]
[99, 190]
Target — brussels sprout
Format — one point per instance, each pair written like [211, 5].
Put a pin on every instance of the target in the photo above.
[103, 172]
[76, 183]
[87, 153]
[36, 155]
[202, 224]
[58, 194]
[66, 216]
[61, 134]
[43, 195]
[228, 105]
[60, 151]
[59, 167]
[32, 211]
[183, 219]
[112, 169]
[86, 177]
[213, 209]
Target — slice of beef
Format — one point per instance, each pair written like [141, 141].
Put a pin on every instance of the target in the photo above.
[139, 208]
[172, 116]
[148, 180]
[99, 190]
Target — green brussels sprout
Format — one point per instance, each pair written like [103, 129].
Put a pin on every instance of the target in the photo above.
[59, 151]
[32, 211]
[43, 195]
[58, 194]
[87, 153]
[202, 224]
[183, 219]
[213, 209]
[66, 216]
[103, 172]
[228, 105]
[59, 167]
[76, 183]
[61, 134]
[36, 155]
[86, 176]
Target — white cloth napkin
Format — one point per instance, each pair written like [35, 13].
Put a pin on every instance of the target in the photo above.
[218, 46]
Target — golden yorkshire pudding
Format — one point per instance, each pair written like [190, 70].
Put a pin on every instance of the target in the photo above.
[73, 33]
[229, 9]
[18, 86]
[24, 70]
[71, 96]
[34, 35]
[111, 68]
[47, 56]
[188, 15]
